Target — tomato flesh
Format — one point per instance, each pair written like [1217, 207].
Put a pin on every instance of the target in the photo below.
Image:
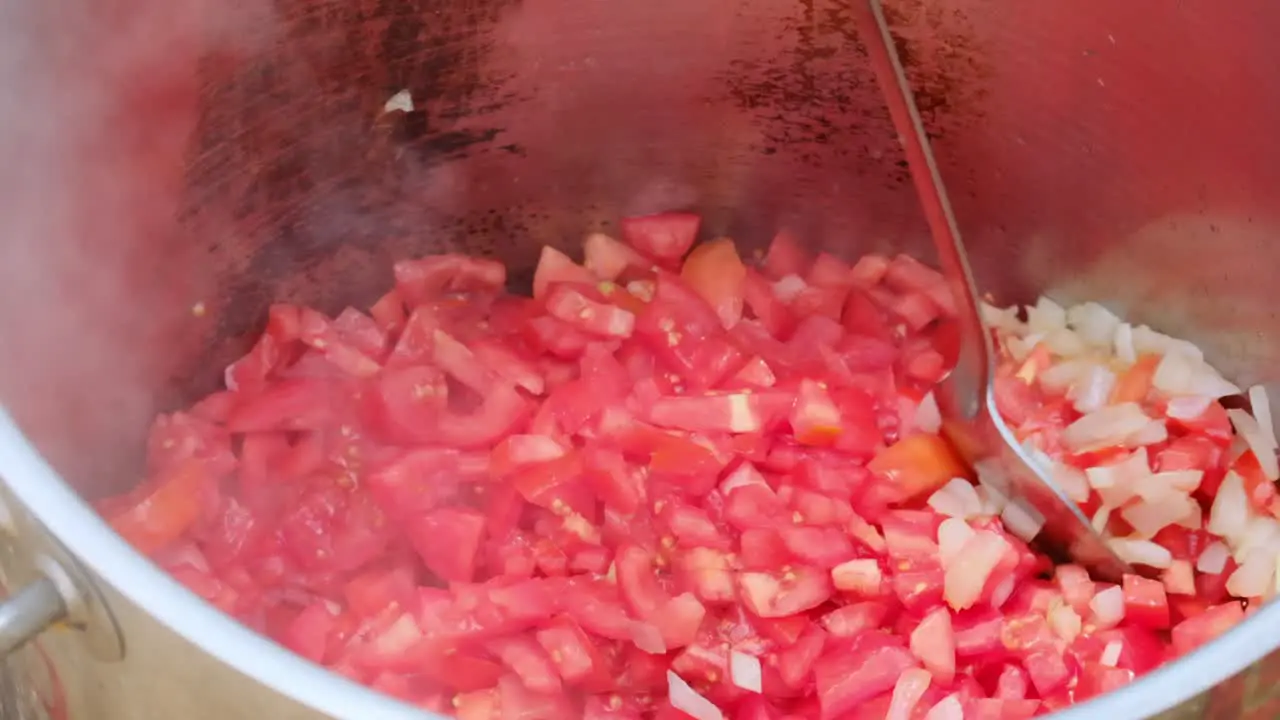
[666, 459]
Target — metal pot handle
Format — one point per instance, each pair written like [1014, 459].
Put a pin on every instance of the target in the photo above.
[28, 612]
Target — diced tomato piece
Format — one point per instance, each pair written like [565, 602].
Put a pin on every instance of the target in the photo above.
[851, 621]
[714, 271]
[166, 512]
[588, 315]
[777, 595]
[664, 236]
[786, 256]
[608, 258]
[447, 540]
[556, 267]
[846, 679]
[1145, 602]
[1205, 627]
[918, 464]
[419, 281]
[822, 547]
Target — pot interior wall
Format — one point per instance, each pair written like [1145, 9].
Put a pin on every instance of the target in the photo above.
[167, 169]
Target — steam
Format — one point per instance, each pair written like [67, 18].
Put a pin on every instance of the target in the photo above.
[97, 104]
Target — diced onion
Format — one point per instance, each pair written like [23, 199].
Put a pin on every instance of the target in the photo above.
[956, 499]
[1254, 576]
[1046, 316]
[1261, 532]
[1111, 653]
[862, 577]
[1261, 407]
[953, 534]
[1112, 425]
[687, 700]
[1118, 482]
[1188, 407]
[1062, 376]
[910, 687]
[949, 708]
[1064, 343]
[1180, 578]
[1213, 559]
[746, 474]
[993, 501]
[1146, 340]
[401, 101]
[1154, 432]
[1108, 607]
[1125, 351]
[1022, 520]
[1094, 389]
[1065, 622]
[1020, 348]
[1094, 323]
[1262, 444]
[1141, 552]
[1100, 519]
[1180, 374]
[745, 671]
[1194, 519]
[648, 638]
[1155, 486]
[1149, 518]
[1230, 511]
[967, 573]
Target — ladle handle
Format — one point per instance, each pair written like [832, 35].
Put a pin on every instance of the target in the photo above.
[28, 612]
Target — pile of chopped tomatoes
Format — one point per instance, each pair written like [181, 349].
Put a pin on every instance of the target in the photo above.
[669, 484]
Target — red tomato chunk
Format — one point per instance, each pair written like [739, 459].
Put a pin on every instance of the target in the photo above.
[662, 487]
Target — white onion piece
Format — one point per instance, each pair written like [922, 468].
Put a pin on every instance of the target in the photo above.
[956, 499]
[1141, 552]
[964, 577]
[993, 501]
[1149, 518]
[745, 475]
[1112, 425]
[1094, 323]
[745, 671]
[1194, 519]
[1180, 374]
[1094, 389]
[953, 534]
[1065, 622]
[788, 287]
[1002, 319]
[1261, 532]
[1108, 607]
[1262, 444]
[1146, 340]
[1261, 407]
[1071, 480]
[1180, 578]
[1100, 519]
[1213, 559]
[1155, 486]
[1230, 511]
[1022, 520]
[1111, 653]
[1046, 316]
[928, 418]
[910, 687]
[687, 700]
[1062, 376]
[1254, 576]
[1118, 482]
[1020, 348]
[861, 577]
[948, 708]
[1064, 343]
[1188, 407]
[1154, 432]
[648, 638]
[401, 101]
[1124, 349]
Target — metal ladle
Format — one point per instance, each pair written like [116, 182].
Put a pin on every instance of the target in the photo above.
[965, 399]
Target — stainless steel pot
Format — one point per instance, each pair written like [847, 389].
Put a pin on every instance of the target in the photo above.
[168, 166]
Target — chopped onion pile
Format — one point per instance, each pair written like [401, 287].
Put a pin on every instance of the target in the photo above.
[674, 483]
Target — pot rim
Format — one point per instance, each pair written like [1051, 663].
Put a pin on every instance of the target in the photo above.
[77, 526]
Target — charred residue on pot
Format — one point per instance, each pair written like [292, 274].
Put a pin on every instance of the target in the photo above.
[299, 182]
[816, 96]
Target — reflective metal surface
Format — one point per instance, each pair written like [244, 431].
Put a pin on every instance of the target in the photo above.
[156, 155]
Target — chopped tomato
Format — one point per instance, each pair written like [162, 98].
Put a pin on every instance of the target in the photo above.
[665, 236]
[543, 507]
[714, 271]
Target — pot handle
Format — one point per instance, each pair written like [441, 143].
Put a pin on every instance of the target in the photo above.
[27, 613]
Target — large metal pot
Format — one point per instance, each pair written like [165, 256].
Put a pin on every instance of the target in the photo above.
[160, 156]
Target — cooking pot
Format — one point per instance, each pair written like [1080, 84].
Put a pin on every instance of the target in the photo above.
[168, 167]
